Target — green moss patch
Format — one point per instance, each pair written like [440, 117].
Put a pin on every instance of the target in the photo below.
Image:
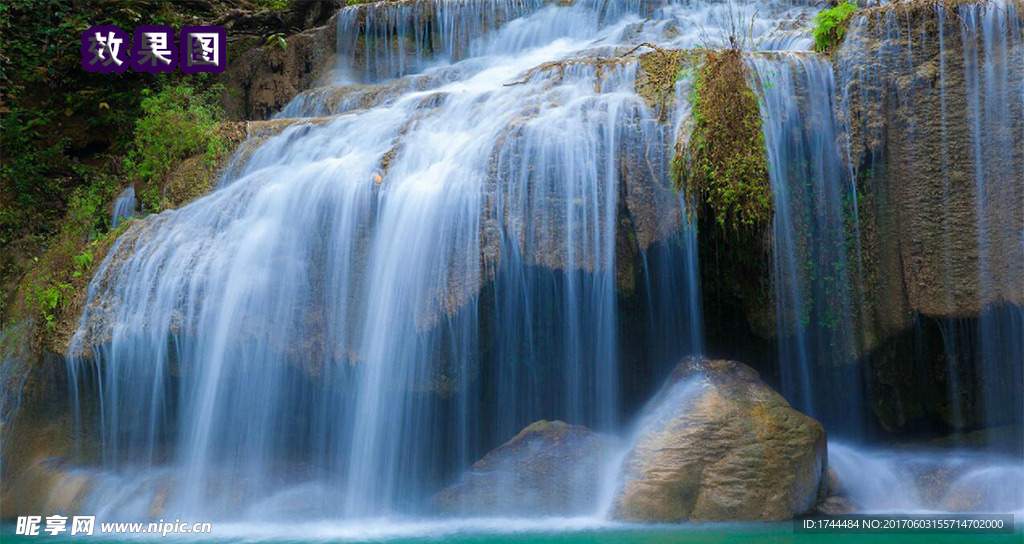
[724, 167]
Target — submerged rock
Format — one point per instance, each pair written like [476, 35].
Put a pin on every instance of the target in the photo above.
[718, 444]
[915, 479]
[549, 468]
[836, 502]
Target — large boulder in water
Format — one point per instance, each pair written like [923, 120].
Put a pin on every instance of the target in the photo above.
[549, 468]
[718, 444]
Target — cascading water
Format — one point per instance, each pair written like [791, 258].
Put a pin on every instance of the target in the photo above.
[370, 302]
[992, 37]
[124, 206]
[957, 73]
[814, 235]
[468, 227]
[921, 481]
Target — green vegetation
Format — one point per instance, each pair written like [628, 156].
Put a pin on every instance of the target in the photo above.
[275, 5]
[831, 24]
[176, 123]
[73, 139]
[723, 171]
[64, 270]
[64, 130]
[724, 168]
[59, 121]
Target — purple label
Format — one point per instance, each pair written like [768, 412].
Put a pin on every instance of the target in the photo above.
[203, 49]
[105, 49]
[153, 49]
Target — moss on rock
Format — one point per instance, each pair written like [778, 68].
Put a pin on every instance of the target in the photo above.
[721, 165]
[656, 82]
[724, 166]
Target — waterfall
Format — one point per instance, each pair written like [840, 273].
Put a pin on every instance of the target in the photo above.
[993, 56]
[470, 225]
[371, 300]
[814, 253]
[959, 85]
[124, 206]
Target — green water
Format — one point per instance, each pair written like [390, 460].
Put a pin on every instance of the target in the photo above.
[773, 533]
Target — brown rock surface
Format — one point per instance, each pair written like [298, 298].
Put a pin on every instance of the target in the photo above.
[263, 79]
[913, 145]
[718, 444]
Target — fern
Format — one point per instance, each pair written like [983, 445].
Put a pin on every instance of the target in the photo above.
[831, 24]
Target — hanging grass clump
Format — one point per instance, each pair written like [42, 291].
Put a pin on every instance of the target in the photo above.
[723, 169]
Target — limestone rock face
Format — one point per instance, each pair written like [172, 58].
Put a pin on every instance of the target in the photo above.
[718, 444]
[935, 140]
[262, 80]
[924, 171]
[549, 468]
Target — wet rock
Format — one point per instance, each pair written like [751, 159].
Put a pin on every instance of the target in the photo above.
[263, 79]
[935, 143]
[836, 506]
[47, 487]
[549, 468]
[836, 502]
[37, 479]
[718, 444]
[912, 137]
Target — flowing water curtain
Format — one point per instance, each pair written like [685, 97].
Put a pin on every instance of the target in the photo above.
[815, 256]
[321, 304]
[993, 38]
[958, 180]
[391, 40]
[124, 206]
[374, 297]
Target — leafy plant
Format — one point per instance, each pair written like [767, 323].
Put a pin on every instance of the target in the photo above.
[831, 24]
[50, 297]
[176, 123]
[83, 261]
[277, 39]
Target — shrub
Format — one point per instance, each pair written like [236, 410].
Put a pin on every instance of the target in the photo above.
[176, 123]
[831, 23]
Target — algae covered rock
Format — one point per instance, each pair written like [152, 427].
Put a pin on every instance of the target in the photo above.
[549, 468]
[718, 444]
